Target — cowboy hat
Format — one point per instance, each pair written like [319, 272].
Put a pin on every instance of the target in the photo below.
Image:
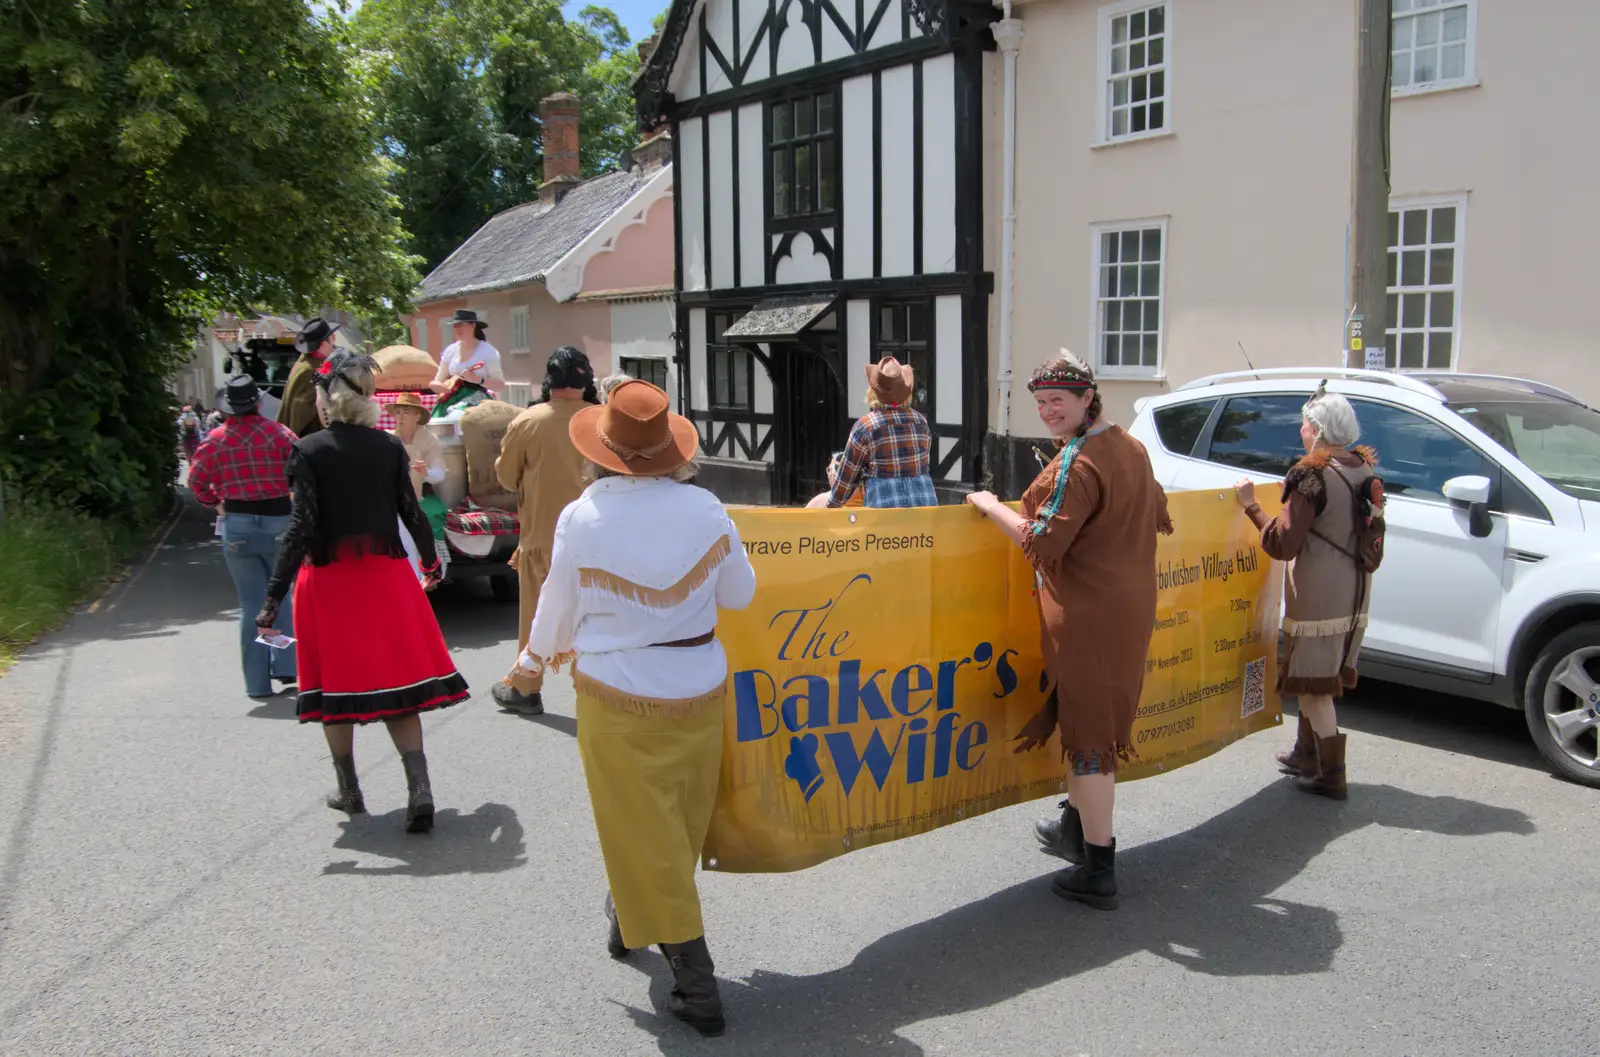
[410, 400]
[314, 334]
[240, 395]
[634, 433]
[467, 315]
[892, 381]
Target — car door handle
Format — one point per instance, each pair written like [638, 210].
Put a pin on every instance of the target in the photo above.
[1526, 557]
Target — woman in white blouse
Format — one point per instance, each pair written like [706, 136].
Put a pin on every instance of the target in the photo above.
[636, 615]
[468, 366]
[423, 453]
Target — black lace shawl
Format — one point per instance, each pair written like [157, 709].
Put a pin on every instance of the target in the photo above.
[349, 483]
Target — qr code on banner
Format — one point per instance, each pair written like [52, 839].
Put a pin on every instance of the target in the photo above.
[1255, 688]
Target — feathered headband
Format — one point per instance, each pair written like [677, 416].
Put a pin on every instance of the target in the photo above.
[1065, 371]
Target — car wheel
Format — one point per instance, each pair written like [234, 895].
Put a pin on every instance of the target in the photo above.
[1562, 703]
[504, 588]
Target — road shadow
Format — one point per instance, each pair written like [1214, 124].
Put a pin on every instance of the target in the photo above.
[567, 725]
[279, 706]
[182, 582]
[1202, 899]
[471, 619]
[489, 840]
[1478, 729]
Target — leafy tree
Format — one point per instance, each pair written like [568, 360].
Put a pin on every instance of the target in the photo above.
[456, 86]
[160, 159]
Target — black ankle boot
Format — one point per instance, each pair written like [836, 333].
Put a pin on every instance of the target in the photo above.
[694, 999]
[347, 797]
[419, 806]
[1093, 883]
[1062, 836]
[614, 944]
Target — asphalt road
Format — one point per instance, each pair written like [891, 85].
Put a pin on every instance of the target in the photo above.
[171, 883]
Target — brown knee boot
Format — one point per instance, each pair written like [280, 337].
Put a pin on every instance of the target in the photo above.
[694, 997]
[1302, 759]
[1328, 779]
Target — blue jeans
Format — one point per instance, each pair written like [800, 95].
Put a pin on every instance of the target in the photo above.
[250, 547]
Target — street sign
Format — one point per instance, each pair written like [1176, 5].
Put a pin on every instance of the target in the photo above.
[1356, 353]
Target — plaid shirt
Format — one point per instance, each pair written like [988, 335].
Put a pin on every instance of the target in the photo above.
[885, 442]
[245, 458]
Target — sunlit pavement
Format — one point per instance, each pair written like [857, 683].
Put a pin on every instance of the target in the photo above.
[171, 883]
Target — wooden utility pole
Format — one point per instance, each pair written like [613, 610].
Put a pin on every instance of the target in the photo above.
[1369, 187]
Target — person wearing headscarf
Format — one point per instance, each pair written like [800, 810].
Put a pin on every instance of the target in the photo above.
[469, 368]
[642, 562]
[539, 463]
[369, 647]
[1088, 527]
[1327, 594]
[888, 453]
[298, 406]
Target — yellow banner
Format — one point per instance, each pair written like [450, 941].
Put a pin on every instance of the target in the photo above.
[890, 657]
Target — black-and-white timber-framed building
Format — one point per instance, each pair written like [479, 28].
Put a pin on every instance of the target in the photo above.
[829, 205]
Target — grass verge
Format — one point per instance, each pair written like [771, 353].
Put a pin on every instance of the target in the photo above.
[51, 558]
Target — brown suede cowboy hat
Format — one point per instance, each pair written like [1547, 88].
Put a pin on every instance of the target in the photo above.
[634, 433]
[891, 381]
[410, 400]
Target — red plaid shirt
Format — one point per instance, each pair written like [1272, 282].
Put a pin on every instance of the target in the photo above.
[885, 442]
[245, 458]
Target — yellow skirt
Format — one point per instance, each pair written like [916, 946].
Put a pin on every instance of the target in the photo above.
[653, 784]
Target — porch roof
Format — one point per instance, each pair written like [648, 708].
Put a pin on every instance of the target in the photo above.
[780, 318]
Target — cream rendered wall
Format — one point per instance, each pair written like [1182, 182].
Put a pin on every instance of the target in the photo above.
[1521, 146]
[1254, 182]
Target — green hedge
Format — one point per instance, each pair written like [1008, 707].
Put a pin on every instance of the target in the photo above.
[51, 557]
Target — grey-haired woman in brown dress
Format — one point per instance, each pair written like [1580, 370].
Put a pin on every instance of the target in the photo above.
[1088, 527]
[1326, 600]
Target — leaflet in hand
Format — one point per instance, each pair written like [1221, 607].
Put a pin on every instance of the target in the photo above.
[276, 639]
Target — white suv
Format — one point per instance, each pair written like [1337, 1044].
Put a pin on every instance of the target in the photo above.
[1490, 583]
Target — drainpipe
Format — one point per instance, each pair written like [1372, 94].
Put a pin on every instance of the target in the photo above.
[1008, 35]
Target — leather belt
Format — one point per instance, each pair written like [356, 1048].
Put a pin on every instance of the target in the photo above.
[698, 640]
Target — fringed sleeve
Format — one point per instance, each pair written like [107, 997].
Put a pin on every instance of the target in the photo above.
[302, 526]
[1047, 538]
[736, 578]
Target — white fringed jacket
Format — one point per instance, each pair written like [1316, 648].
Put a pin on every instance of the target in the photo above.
[640, 561]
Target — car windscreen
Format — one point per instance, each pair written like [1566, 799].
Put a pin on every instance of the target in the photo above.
[1558, 441]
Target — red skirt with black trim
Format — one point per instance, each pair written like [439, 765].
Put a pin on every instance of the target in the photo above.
[368, 645]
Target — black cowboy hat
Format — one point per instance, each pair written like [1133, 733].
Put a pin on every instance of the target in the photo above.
[314, 333]
[240, 396]
[467, 315]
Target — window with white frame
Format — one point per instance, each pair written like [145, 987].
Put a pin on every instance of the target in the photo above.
[1133, 70]
[1433, 44]
[1129, 284]
[446, 334]
[519, 329]
[1426, 239]
[422, 334]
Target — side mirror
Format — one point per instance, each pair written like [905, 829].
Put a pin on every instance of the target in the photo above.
[1472, 492]
[1469, 491]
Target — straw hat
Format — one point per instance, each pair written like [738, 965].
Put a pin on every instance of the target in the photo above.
[634, 433]
[892, 381]
[410, 400]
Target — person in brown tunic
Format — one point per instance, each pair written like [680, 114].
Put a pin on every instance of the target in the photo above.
[1088, 527]
[1325, 604]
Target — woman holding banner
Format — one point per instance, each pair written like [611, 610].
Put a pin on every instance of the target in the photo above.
[1325, 608]
[636, 612]
[1088, 527]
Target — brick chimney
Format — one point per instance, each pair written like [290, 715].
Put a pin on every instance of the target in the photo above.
[655, 150]
[559, 115]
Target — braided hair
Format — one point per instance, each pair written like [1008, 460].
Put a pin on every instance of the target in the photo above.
[568, 368]
[1066, 371]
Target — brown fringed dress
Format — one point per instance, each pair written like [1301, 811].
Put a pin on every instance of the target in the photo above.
[1092, 544]
[1326, 598]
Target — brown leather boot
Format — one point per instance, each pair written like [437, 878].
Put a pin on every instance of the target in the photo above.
[1328, 779]
[694, 999]
[1302, 759]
